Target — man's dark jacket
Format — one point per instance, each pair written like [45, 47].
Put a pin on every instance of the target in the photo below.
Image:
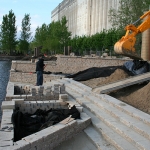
[40, 65]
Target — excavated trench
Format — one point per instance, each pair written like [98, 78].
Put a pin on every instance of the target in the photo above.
[137, 95]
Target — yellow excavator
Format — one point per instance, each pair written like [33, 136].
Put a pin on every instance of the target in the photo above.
[125, 46]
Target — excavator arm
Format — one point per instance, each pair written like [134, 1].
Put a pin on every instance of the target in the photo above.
[125, 46]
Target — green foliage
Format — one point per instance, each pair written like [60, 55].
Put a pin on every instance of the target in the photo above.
[0, 34]
[55, 36]
[23, 46]
[128, 12]
[63, 33]
[8, 33]
[100, 41]
[25, 28]
[52, 40]
[25, 34]
[40, 35]
[52, 37]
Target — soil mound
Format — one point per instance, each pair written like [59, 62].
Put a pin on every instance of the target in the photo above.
[119, 74]
[139, 99]
[137, 95]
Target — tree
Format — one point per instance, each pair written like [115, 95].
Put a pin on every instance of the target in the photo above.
[129, 11]
[40, 35]
[64, 34]
[52, 40]
[59, 35]
[8, 32]
[0, 38]
[53, 36]
[25, 34]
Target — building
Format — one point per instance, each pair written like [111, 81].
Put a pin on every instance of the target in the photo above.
[85, 17]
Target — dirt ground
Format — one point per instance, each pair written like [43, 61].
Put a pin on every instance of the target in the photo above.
[137, 95]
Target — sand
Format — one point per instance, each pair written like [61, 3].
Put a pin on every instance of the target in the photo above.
[137, 95]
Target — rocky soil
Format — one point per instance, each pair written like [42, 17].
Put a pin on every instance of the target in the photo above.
[137, 95]
[26, 58]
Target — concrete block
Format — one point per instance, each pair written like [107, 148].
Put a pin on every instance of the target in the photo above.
[84, 116]
[63, 100]
[56, 85]
[10, 86]
[79, 108]
[46, 146]
[62, 89]
[13, 70]
[6, 136]
[33, 91]
[47, 133]
[63, 97]
[121, 84]
[58, 127]
[7, 113]
[8, 105]
[48, 94]
[33, 148]
[54, 142]
[72, 124]
[61, 139]
[49, 87]
[24, 144]
[6, 120]
[81, 123]
[14, 147]
[10, 125]
[18, 101]
[71, 131]
[69, 137]
[33, 139]
[10, 92]
[6, 143]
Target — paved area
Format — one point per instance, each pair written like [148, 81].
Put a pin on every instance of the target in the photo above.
[80, 142]
[114, 124]
[117, 124]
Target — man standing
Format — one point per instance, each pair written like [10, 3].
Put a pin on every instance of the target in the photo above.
[39, 71]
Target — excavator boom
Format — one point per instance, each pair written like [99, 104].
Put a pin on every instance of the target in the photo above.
[125, 46]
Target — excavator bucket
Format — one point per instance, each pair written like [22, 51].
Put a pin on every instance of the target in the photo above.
[125, 46]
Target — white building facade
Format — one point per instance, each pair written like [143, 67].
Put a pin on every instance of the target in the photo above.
[85, 17]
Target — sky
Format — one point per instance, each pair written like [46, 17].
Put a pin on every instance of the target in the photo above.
[39, 10]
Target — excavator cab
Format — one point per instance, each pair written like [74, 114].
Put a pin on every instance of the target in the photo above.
[126, 45]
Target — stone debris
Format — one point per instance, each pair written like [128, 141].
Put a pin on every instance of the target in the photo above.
[63, 97]
[49, 137]
[32, 93]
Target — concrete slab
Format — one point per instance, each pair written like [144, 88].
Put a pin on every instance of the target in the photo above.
[128, 120]
[8, 105]
[122, 125]
[115, 125]
[126, 108]
[80, 142]
[108, 135]
[121, 84]
[97, 139]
